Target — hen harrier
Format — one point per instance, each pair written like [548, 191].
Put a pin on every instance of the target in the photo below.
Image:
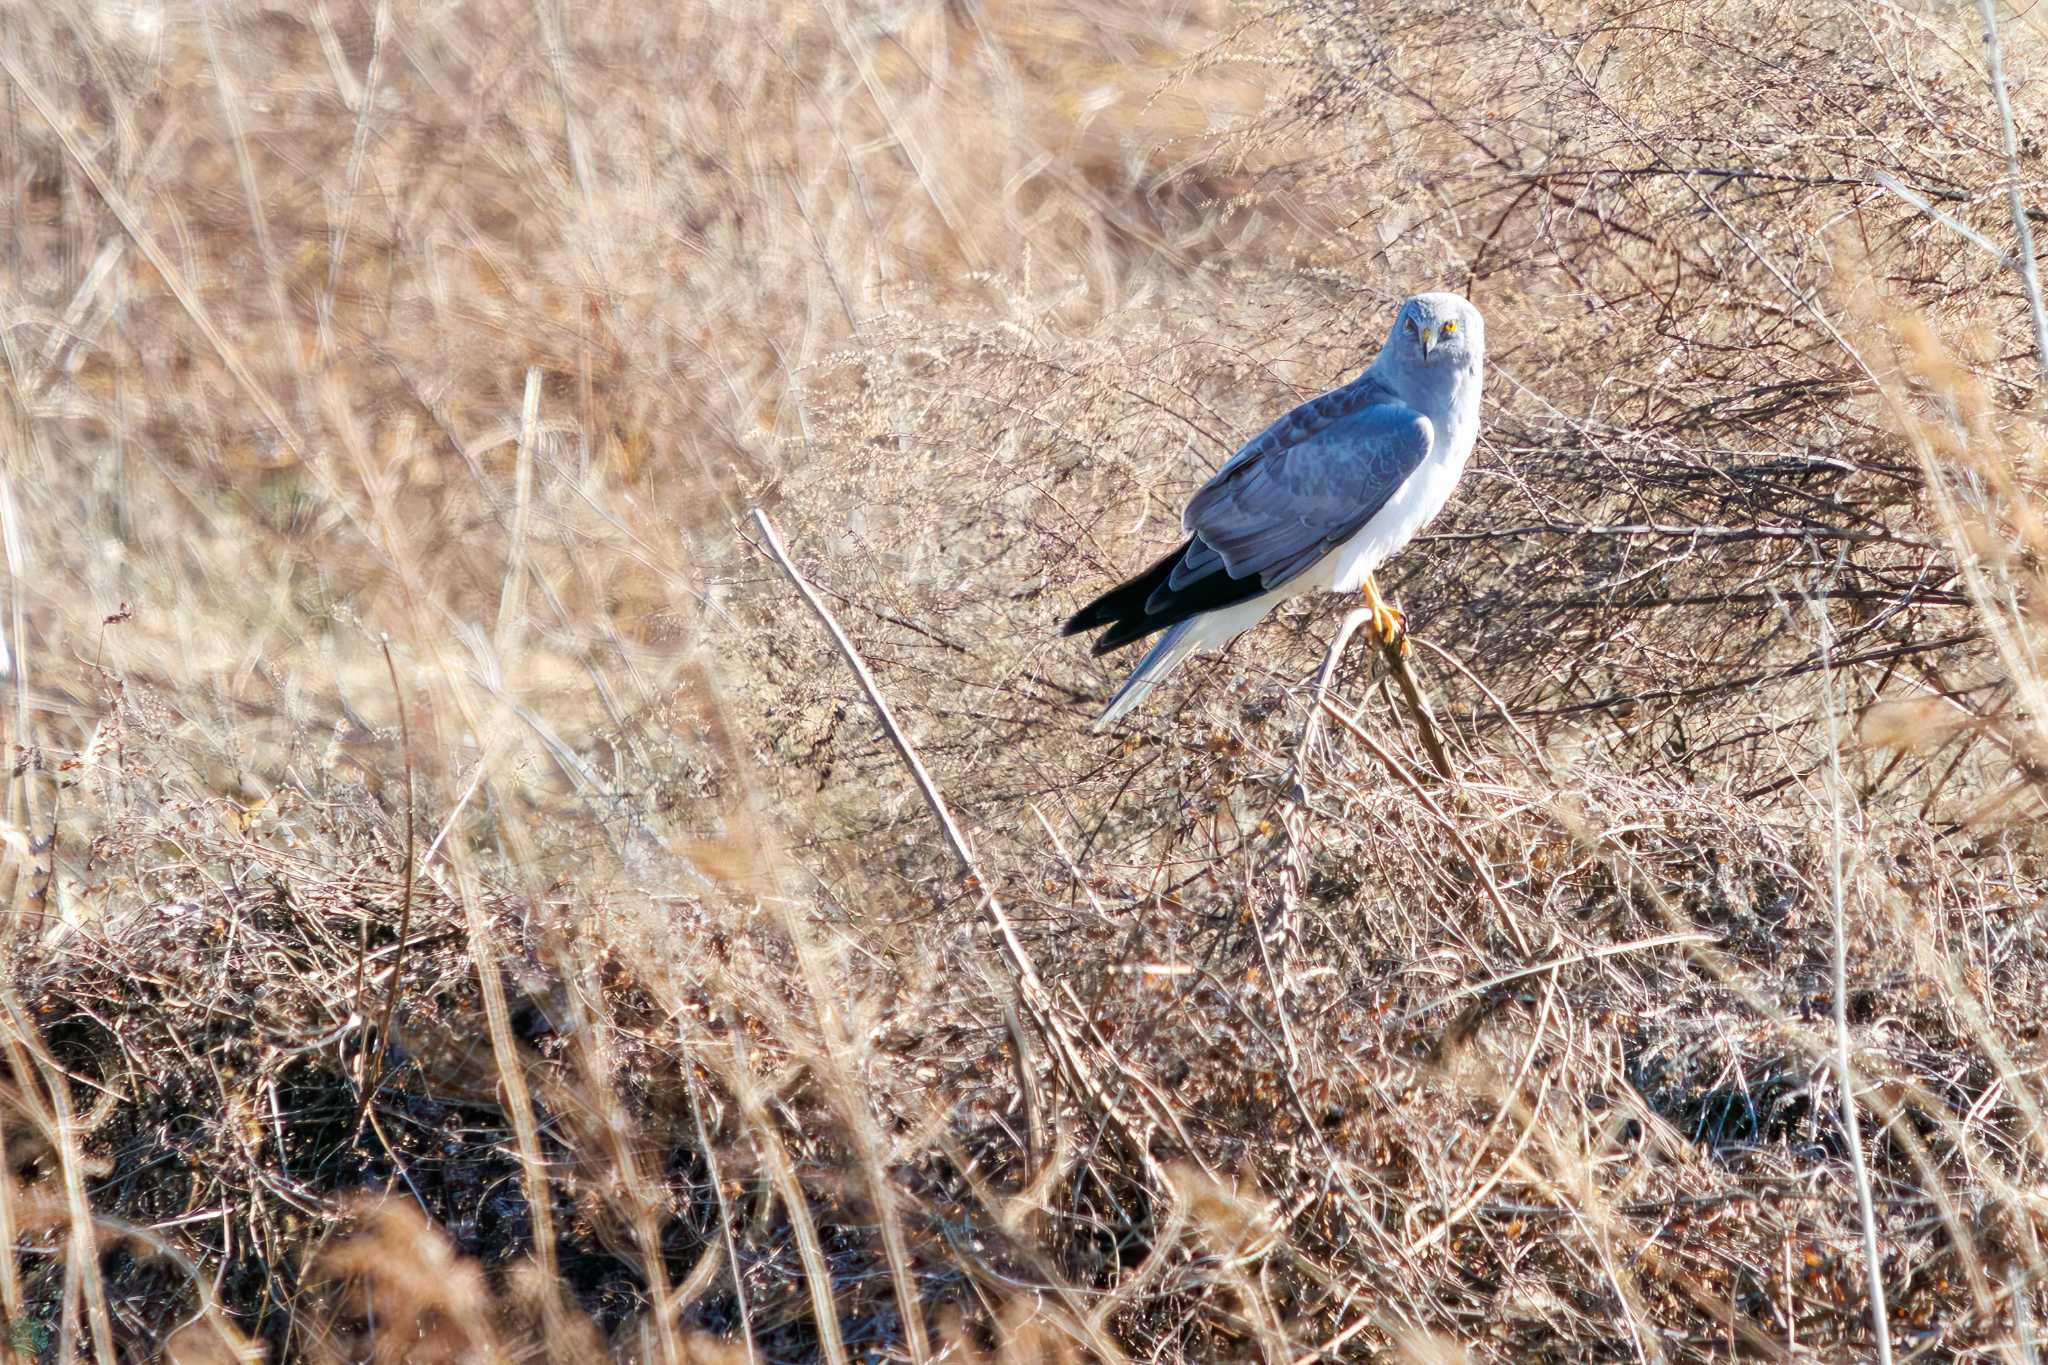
[1318, 500]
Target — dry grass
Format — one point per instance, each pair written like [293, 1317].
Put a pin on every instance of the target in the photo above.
[459, 906]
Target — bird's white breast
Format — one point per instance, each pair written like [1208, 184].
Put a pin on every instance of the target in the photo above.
[1413, 506]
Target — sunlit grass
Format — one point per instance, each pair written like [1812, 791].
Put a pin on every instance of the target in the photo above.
[386, 389]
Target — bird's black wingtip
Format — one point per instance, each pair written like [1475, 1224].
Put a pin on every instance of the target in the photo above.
[1123, 633]
[1149, 603]
[1123, 600]
[1094, 616]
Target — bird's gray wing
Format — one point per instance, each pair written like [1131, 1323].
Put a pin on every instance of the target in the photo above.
[1303, 486]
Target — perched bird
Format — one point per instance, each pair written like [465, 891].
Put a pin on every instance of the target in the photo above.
[1317, 501]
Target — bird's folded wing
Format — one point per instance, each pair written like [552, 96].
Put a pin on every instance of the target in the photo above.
[1304, 486]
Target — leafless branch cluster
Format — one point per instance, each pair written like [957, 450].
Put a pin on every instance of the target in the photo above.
[472, 892]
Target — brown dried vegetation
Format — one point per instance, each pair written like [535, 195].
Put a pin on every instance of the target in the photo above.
[460, 907]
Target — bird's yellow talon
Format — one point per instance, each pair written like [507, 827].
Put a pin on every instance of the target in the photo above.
[1388, 620]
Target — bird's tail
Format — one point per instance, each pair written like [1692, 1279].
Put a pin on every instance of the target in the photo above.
[1173, 648]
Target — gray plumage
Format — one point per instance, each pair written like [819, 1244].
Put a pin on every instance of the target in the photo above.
[1317, 501]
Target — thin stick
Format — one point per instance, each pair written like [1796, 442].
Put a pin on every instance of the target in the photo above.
[955, 840]
[17, 659]
[1535, 750]
[1418, 707]
[512, 594]
[1408, 780]
[1411, 693]
[1880, 1322]
[1962, 230]
[383, 1035]
[2022, 1315]
[68, 334]
[1591, 955]
[1073, 869]
[732, 1249]
[2029, 279]
[10, 1269]
[1038, 1001]
[782, 1178]
[1346, 628]
[29, 1058]
[1027, 1095]
[517, 1103]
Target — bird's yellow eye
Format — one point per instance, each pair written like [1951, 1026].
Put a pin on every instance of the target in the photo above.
[1449, 328]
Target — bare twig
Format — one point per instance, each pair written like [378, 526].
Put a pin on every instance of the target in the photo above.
[1961, 229]
[1417, 702]
[2023, 1317]
[1038, 1001]
[955, 839]
[1535, 750]
[781, 1172]
[2030, 279]
[725, 1217]
[1480, 871]
[1419, 709]
[1298, 776]
[512, 595]
[381, 1040]
[29, 1060]
[1059, 846]
[14, 656]
[1554, 964]
[1880, 1321]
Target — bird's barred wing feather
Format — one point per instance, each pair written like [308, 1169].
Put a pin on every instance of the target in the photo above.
[1303, 486]
[1294, 493]
[1314, 501]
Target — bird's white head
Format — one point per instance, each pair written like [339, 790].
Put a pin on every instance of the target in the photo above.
[1439, 332]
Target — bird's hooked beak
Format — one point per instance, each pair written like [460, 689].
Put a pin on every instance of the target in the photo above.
[1431, 337]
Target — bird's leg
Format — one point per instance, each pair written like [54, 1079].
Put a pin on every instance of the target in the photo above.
[1387, 619]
